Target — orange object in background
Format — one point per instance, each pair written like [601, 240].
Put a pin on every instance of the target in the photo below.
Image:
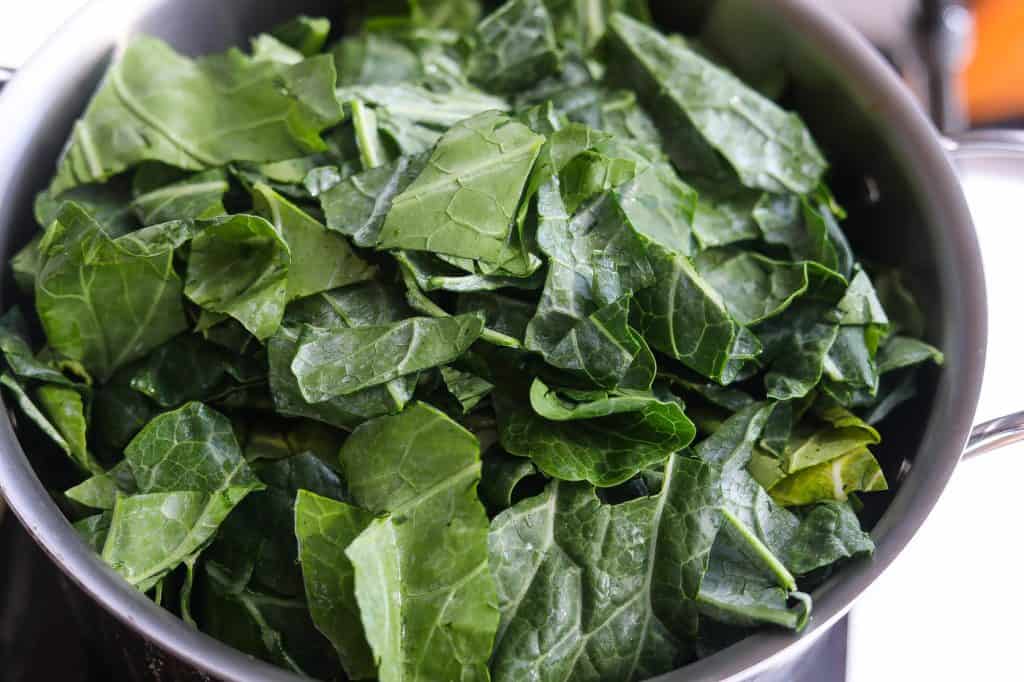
[994, 78]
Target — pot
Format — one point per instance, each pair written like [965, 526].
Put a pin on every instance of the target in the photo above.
[890, 168]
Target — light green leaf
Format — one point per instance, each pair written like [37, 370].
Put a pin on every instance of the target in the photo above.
[856, 471]
[417, 103]
[100, 491]
[325, 528]
[190, 474]
[422, 579]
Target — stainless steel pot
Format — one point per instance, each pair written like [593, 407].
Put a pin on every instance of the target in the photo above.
[890, 168]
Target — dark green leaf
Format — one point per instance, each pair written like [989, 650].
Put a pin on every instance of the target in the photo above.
[343, 360]
[500, 477]
[796, 344]
[268, 626]
[504, 315]
[585, 575]
[687, 320]
[767, 147]
[357, 206]
[467, 388]
[305, 34]
[632, 434]
[369, 303]
[513, 47]
[829, 533]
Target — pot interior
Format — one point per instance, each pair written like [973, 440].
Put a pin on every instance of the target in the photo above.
[887, 171]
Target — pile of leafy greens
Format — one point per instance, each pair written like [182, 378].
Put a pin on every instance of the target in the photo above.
[519, 348]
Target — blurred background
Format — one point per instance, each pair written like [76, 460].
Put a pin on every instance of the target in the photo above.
[947, 610]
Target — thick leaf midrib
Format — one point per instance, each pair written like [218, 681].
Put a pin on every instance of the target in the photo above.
[92, 157]
[172, 192]
[133, 106]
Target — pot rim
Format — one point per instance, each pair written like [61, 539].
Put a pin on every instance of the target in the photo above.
[947, 429]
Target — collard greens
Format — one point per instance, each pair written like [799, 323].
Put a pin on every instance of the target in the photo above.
[513, 346]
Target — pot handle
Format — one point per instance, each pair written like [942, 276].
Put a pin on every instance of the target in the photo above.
[997, 145]
[5, 75]
[995, 434]
[1000, 147]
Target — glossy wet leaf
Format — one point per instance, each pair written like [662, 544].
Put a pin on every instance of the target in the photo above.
[190, 474]
[686, 319]
[591, 591]
[604, 449]
[582, 320]
[359, 305]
